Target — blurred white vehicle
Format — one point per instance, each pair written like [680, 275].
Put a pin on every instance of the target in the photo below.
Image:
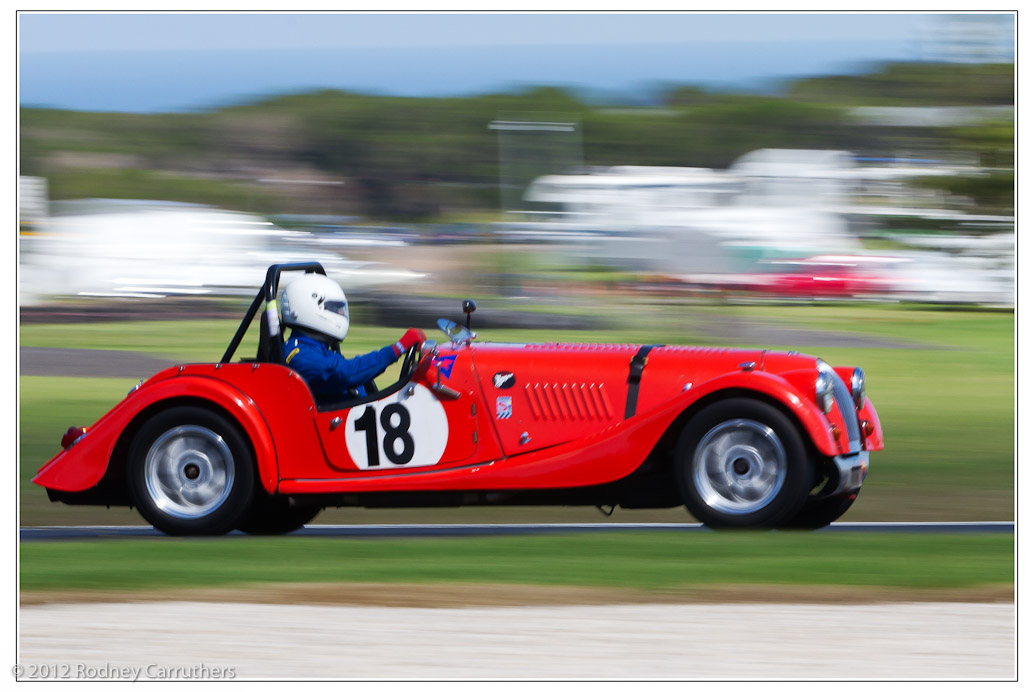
[685, 220]
[142, 249]
[770, 205]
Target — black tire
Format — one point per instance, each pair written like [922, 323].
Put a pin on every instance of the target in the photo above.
[190, 472]
[740, 463]
[819, 512]
[276, 515]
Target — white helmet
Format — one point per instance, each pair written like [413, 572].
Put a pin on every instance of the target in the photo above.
[316, 302]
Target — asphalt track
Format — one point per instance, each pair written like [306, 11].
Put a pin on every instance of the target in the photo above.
[54, 533]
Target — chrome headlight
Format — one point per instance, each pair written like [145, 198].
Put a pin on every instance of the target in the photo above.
[824, 386]
[858, 388]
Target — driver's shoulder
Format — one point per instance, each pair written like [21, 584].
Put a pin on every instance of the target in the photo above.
[306, 347]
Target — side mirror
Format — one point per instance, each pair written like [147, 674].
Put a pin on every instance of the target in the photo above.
[469, 306]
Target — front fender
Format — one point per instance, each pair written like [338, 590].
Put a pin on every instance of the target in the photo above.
[83, 465]
[774, 387]
[873, 431]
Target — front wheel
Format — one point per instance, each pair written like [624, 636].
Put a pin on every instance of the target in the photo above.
[190, 472]
[275, 515]
[741, 464]
[819, 512]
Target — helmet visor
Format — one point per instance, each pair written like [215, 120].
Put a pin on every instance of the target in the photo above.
[337, 306]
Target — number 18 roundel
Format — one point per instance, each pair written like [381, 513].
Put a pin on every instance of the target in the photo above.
[401, 431]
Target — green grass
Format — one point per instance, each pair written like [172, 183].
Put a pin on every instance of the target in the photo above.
[181, 340]
[626, 560]
[990, 332]
[206, 340]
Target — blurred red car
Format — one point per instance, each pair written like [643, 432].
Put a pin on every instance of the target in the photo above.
[830, 276]
[743, 438]
[841, 277]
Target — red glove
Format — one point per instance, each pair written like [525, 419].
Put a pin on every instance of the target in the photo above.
[410, 338]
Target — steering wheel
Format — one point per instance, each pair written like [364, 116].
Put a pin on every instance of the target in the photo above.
[411, 361]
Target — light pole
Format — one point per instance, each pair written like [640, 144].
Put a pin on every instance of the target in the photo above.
[513, 177]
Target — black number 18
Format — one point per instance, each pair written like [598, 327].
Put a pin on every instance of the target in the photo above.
[368, 423]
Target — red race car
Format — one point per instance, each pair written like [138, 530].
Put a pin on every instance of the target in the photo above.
[742, 438]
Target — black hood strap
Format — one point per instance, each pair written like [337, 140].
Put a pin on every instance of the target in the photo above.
[635, 374]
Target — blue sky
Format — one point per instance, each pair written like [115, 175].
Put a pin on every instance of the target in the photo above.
[91, 33]
[163, 62]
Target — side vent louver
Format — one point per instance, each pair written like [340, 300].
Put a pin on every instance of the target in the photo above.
[568, 402]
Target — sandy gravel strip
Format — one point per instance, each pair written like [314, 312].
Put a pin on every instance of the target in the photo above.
[258, 640]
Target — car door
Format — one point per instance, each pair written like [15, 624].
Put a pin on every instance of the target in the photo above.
[543, 395]
[405, 428]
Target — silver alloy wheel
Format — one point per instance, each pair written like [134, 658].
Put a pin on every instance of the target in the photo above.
[189, 472]
[739, 466]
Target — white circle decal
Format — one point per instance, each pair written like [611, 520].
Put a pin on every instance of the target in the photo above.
[408, 428]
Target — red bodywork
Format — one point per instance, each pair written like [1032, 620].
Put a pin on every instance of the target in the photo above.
[527, 416]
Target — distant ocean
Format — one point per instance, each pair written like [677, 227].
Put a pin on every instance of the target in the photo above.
[177, 81]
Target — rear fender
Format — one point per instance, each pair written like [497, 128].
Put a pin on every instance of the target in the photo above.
[85, 464]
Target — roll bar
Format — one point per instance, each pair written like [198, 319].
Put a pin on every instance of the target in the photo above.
[267, 295]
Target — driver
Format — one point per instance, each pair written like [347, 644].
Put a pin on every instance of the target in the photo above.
[315, 308]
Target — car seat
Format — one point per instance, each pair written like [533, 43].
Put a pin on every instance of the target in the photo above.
[271, 345]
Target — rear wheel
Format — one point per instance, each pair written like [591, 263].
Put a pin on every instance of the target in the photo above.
[190, 472]
[741, 464]
[274, 515]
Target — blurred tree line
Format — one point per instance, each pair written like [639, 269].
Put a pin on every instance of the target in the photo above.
[381, 157]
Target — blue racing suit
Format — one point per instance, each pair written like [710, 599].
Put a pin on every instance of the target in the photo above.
[328, 373]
